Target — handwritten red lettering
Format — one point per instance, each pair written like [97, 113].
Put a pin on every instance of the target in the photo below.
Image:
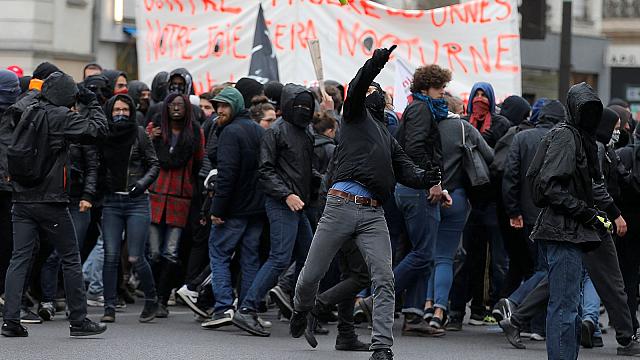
[433, 18]
[507, 5]
[484, 4]
[453, 49]
[501, 50]
[223, 42]
[369, 10]
[475, 55]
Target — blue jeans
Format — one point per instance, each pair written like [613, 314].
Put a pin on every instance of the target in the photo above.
[120, 214]
[92, 269]
[164, 240]
[224, 239]
[291, 235]
[452, 224]
[421, 220]
[49, 272]
[540, 273]
[590, 303]
[564, 261]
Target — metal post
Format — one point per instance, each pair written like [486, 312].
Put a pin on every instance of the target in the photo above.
[564, 74]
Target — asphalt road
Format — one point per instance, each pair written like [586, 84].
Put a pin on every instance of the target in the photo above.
[180, 337]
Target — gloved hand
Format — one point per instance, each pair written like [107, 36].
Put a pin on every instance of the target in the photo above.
[434, 177]
[85, 96]
[598, 220]
[381, 56]
[136, 191]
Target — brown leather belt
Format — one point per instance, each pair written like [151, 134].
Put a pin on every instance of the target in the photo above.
[360, 200]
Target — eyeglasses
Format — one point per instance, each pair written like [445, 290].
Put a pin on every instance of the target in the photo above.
[120, 111]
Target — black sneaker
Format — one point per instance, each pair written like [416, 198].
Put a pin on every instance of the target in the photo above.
[351, 344]
[503, 309]
[87, 328]
[454, 323]
[476, 320]
[14, 329]
[382, 354]
[587, 329]
[512, 333]
[162, 312]
[109, 315]
[366, 305]
[283, 300]
[247, 320]
[219, 320]
[632, 349]
[148, 312]
[312, 324]
[29, 317]
[597, 342]
[298, 323]
[47, 311]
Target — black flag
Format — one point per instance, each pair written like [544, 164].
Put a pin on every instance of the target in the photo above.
[264, 64]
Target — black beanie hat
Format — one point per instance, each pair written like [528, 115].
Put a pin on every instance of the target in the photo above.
[44, 70]
[249, 88]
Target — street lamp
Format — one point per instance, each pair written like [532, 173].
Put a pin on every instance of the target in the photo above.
[118, 11]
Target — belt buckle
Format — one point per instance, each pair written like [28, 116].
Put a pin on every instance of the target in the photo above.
[355, 199]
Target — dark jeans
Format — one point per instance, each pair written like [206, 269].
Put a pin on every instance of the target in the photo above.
[412, 273]
[199, 254]
[239, 235]
[6, 236]
[628, 249]
[290, 236]
[49, 272]
[54, 220]
[354, 277]
[120, 214]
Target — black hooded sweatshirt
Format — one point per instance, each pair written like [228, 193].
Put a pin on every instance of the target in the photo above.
[155, 111]
[135, 91]
[286, 153]
[65, 126]
[608, 191]
[564, 183]
[368, 153]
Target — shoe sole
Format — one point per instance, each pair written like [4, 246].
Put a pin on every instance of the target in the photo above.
[107, 321]
[80, 334]
[242, 326]
[423, 334]
[476, 322]
[94, 303]
[192, 305]
[283, 305]
[147, 319]
[351, 348]
[30, 321]
[13, 335]
[216, 325]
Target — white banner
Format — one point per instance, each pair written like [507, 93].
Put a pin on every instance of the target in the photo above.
[478, 40]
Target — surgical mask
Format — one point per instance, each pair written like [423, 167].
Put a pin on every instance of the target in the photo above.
[120, 118]
[614, 137]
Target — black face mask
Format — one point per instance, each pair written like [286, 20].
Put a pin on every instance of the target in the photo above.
[303, 110]
[376, 103]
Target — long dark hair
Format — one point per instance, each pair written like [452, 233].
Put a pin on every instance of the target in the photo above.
[186, 134]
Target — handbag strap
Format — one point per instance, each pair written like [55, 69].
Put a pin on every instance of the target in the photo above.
[463, 137]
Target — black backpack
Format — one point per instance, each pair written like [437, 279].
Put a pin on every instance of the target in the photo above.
[28, 156]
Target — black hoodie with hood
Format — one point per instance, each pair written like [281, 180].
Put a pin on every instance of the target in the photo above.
[286, 153]
[368, 153]
[113, 76]
[516, 109]
[136, 88]
[606, 191]
[630, 180]
[159, 87]
[516, 190]
[563, 184]
[155, 111]
[59, 92]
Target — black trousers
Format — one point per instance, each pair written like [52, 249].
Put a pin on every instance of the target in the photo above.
[629, 258]
[6, 236]
[603, 268]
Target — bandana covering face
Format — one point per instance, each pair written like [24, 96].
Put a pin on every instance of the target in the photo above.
[481, 115]
[438, 107]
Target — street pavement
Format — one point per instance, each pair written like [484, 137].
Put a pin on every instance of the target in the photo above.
[180, 337]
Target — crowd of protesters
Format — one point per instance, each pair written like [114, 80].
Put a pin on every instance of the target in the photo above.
[323, 203]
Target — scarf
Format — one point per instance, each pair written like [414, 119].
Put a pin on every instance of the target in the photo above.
[481, 114]
[438, 107]
[116, 150]
[179, 156]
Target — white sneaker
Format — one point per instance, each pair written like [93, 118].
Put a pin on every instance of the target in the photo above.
[219, 320]
[97, 301]
[191, 299]
[265, 323]
[536, 337]
[172, 298]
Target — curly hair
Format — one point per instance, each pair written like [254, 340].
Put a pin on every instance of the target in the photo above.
[430, 76]
[259, 104]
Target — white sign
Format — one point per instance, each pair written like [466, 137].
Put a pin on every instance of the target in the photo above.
[477, 40]
[623, 56]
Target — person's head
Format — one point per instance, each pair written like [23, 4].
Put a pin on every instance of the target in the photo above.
[176, 114]
[375, 102]
[482, 93]
[140, 94]
[24, 84]
[262, 111]
[159, 87]
[9, 88]
[180, 81]
[431, 80]
[516, 109]
[117, 81]
[41, 72]
[535, 109]
[608, 123]
[228, 103]
[91, 69]
[120, 109]
[619, 102]
[454, 104]
[99, 85]
[336, 96]
[298, 105]
[206, 105]
[552, 112]
[60, 89]
[249, 88]
[324, 124]
[585, 108]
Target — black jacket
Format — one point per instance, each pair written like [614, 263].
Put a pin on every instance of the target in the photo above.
[565, 183]
[499, 127]
[286, 154]
[65, 126]
[83, 172]
[323, 147]
[629, 181]
[502, 148]
[236, 189]
[419, 136]
[516, 191]
[368, 153]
